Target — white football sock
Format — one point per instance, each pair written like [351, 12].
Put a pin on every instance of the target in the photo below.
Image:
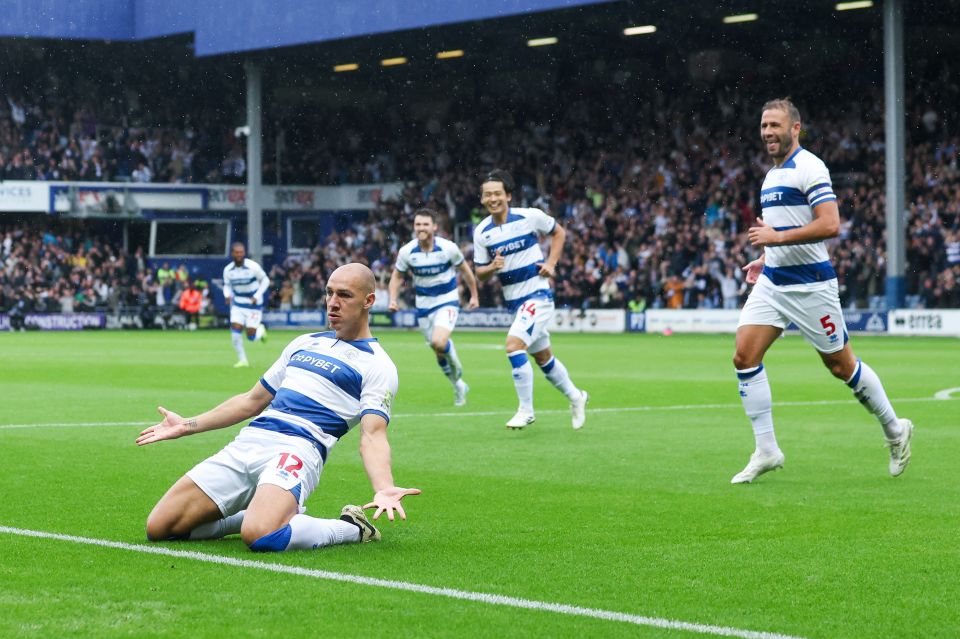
[869, 391]
[522, 379]
[308, 532]
[236, 337]
[557, 373]
[219, 528]
[758, 405]
[454, 359]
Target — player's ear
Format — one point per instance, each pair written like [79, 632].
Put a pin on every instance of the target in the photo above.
[368, 302]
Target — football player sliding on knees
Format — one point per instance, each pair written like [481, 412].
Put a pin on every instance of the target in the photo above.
[321, 387]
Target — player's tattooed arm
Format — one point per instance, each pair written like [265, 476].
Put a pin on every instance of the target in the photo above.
[234, 410]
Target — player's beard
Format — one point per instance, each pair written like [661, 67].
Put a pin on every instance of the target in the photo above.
[785, 141]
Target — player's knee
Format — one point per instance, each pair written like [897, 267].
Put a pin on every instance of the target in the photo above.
[515, 345]
[162, 529]
[253, 531]
[741, 361]
[839, 370]
[439, 345]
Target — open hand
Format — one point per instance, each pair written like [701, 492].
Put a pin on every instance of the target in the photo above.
[172, 427]
[388, 500]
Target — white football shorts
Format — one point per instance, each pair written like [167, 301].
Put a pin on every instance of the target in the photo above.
[816, 313]
[256, 457]
[246, 317]
[444, 317]
[531, 322]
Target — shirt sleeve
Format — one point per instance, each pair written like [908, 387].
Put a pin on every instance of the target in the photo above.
[274, 376]
[541, 222]
[227, 290]
[481, 256]
[379, 389]
[401, 264]
[264, 281]
[817, 186]
[454, 254]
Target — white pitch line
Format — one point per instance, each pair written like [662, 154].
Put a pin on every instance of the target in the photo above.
[562, 411]
[74, 424]
[451, 593]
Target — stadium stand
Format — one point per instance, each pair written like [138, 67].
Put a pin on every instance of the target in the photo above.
[658, 192]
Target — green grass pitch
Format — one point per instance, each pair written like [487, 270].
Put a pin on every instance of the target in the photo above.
[633, 514]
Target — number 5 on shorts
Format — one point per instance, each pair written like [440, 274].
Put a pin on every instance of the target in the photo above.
[828, 325]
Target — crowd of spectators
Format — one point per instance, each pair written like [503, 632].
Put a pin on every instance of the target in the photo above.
[657, 193]
[658, 203]
[69, 270]
[72, 113]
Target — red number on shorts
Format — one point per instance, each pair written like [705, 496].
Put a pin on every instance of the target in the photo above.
[827, 324]
[292, 468]
[529, 307]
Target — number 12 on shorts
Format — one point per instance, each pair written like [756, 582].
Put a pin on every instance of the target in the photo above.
[291, 468]
[830, 327]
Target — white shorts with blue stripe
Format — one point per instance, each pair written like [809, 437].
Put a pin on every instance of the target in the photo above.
[816, 312]
[258, 456]
[246, 317]
[444, 317]
[532, 322]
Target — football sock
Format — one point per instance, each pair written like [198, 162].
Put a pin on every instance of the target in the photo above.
[557, 373]
[758, 405]
[219, 528]
[522, 378]
[451, 353]
[447, 369]
[306, 533]
[313, 532]
[236, 337]
[869, 391]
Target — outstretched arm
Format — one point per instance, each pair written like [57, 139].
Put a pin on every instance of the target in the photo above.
[471, 281]
[375, 452]
[234, 410]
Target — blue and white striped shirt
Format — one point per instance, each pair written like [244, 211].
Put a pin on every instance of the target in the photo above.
[242, 283]
[322, 386]
[434, 273]
[518, 240]
[787, 199]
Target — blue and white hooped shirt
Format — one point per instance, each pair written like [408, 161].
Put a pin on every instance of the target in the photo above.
[322, 386]
[789, 194]
[242, 283]
[434, 273]
[518, 239]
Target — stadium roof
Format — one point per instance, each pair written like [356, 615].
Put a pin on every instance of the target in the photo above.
[243, 25]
